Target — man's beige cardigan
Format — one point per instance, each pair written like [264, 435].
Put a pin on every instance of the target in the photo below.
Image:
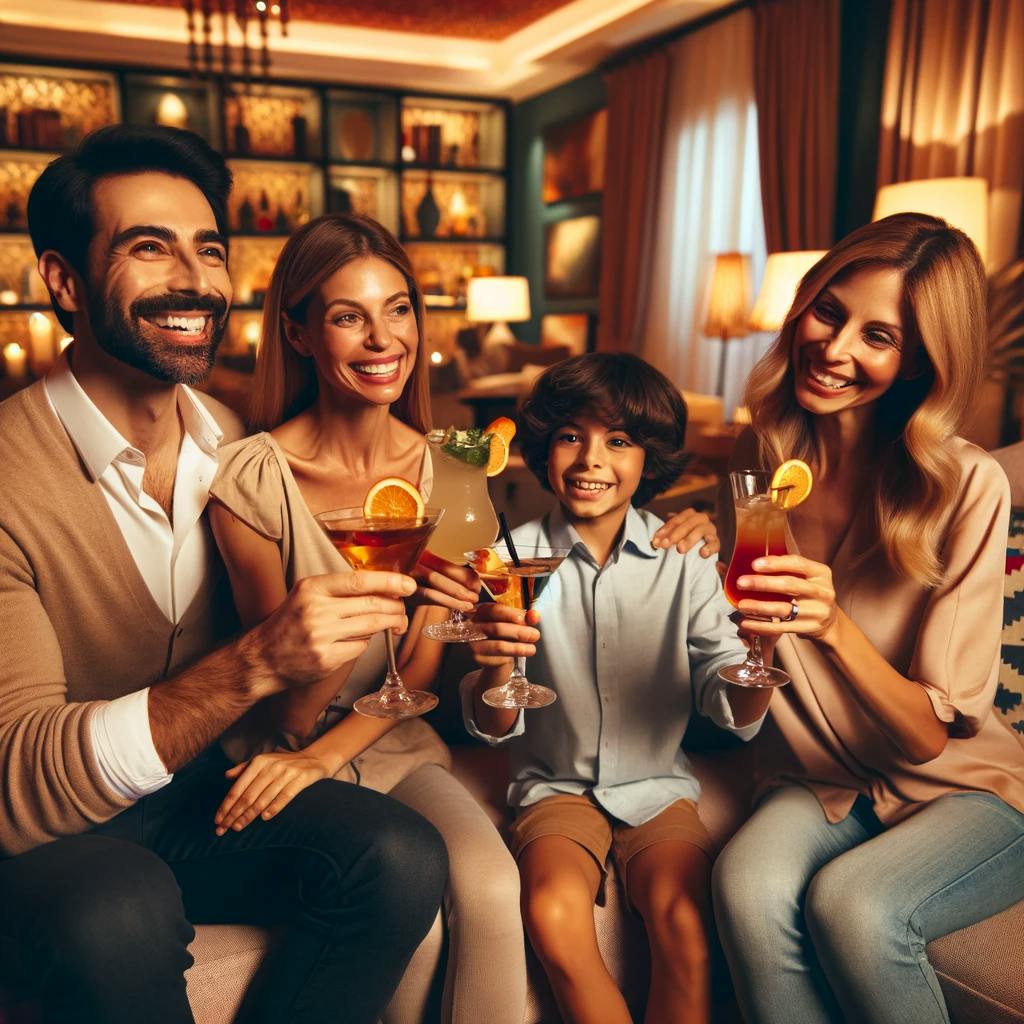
[77, 625]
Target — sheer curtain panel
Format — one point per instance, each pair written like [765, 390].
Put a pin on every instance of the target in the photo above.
[710, 202]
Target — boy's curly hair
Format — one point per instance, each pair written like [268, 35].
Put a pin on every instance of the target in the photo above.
[621, 391]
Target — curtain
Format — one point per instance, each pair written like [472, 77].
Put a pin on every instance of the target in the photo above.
[636, 118]
[710, 202]
[796, 82]
[953, 103]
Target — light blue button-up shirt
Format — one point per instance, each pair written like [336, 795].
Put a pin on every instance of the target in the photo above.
[630, 647]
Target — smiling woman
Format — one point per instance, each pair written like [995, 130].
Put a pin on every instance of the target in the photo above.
[342, 392]
[886, 612]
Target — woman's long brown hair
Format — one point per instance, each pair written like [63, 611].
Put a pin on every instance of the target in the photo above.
[943, 304]
[285, 382]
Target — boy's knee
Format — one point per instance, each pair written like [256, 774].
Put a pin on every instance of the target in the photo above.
[677, 927]
[557, 917]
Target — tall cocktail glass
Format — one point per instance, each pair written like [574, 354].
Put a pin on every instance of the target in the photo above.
[391, 545]
[460, 488]
[760, 531]
[514, 585]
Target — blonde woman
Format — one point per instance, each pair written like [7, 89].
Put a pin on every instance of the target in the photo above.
[895, 814]
[340, 393]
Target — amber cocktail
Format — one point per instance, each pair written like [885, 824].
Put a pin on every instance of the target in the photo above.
[514, 585]
[383, 544]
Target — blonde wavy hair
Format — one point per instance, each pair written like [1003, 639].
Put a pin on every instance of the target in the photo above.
[285, 382]
[943, 306]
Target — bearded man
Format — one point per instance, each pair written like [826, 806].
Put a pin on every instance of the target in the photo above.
[118, 669]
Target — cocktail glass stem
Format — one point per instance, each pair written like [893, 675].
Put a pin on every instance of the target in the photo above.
[518, 685]
[392, 690]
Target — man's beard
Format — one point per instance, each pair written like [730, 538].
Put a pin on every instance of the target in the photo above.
[126, 340]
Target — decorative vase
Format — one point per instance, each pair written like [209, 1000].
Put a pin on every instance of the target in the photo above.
[428, 213]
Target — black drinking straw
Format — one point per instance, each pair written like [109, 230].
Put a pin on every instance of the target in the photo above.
[506, 534]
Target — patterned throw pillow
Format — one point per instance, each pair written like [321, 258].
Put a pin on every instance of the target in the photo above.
[1009, 700]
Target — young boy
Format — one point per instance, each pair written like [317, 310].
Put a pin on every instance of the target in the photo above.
[633, 638]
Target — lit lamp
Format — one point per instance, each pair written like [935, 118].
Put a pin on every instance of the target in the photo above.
[500, 301]
[782, 275]
[728, 304]
[961, 202]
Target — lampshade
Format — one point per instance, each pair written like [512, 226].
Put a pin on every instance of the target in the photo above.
[782, 275]
[961, 202]
[728, 296]
[498, 299]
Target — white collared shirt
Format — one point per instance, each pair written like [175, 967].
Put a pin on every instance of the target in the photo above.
[172, 557]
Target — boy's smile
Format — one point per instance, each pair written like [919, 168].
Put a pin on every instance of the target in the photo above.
[594, 471]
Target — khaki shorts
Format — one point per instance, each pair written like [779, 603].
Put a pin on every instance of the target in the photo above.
[582, 820]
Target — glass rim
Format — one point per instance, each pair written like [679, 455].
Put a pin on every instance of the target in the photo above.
[356, 512]
[533, 549]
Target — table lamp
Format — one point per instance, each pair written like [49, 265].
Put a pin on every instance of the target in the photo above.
[782, 275]
[961, 202]
[728, 304]
[498, 301]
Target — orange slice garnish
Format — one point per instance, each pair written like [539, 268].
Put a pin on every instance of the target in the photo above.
[498, 459]
[393, 498]
[503, 426]
[791, 483]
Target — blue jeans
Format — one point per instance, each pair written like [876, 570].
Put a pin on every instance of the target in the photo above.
[824, 922]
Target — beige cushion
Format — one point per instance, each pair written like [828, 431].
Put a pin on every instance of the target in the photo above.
[981, 969]
[226, 958]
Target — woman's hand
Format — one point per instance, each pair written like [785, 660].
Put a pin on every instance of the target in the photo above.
[445, 584]
[265, 785]
[511, 633]
[685, 530]
[800, 583]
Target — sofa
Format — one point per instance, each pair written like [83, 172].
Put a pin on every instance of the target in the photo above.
[981, 968]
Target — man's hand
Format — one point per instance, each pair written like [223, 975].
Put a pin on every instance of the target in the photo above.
[325, 622]
[445, 584]
[264, 786]
[685, 530]
[511, 633]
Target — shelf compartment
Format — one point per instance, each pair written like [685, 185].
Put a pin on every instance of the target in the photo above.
[468, 206]
[18, 173]
[453, 133]
[273, 121]
[174, 101]
[362, 127]
[50, 108]
[444, 270]
[273, 198]
[370, 191]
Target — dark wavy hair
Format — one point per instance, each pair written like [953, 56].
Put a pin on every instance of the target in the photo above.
[621, 391]
[60, 214]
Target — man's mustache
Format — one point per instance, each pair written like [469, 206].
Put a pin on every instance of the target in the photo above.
[175, 303]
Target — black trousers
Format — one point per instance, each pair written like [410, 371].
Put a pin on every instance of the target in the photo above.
[101, 921]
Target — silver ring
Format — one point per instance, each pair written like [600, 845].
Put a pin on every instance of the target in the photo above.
[794, 611]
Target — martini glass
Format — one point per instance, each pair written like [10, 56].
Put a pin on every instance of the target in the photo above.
[391, 545]
[513, 585]
[460, 488]
[760, 531]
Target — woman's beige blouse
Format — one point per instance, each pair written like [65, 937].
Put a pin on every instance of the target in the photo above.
[947, 639]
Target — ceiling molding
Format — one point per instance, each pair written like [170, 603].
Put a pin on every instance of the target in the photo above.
[562, 45]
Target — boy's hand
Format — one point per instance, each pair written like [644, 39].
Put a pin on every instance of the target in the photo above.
[445, 584]
[511, 633]
[685, 530]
